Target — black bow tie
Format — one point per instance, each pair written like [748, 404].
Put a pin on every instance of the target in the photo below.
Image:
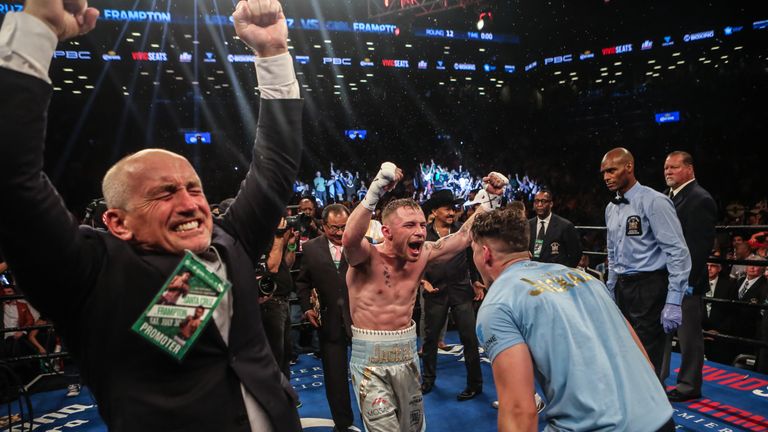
[619, 199]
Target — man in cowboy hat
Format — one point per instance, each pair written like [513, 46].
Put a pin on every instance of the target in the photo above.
[449, 287]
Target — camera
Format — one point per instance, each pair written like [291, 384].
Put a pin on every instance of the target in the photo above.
[264, 279]
[299, 222]
[94, 212]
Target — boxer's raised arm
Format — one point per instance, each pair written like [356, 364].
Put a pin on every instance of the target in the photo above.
[453, 244]
[356, 247]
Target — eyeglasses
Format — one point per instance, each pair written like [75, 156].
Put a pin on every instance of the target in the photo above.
[335, 228]
[541, 201]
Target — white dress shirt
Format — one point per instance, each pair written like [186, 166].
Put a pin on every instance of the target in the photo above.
[711, 293]
[679, 188]
[538, 225]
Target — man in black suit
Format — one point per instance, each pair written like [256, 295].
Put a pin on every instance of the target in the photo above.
[157, 214]
[697, 212]
[324, 268]
[716, 315]
[553, 239]
[451, 288]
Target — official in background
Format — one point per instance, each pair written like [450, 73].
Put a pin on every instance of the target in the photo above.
[324, 268]
[697, 213]
[648, 262]
[553, 239]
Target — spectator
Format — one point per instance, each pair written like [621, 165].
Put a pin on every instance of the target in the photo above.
[745, 322]
[741, 251]
[756, 216]
[320, 192]
[18, 313]
[716, 318]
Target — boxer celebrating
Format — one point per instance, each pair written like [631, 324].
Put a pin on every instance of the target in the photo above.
[382, 282]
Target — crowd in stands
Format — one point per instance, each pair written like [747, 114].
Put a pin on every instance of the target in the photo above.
[342, 186]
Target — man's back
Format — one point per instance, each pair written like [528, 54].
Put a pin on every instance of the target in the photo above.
[593, 374]
[697, 212]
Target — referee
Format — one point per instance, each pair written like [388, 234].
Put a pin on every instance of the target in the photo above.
[648, 258]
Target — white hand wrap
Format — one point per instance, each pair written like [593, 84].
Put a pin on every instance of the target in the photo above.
[487, 200]
[378, 187]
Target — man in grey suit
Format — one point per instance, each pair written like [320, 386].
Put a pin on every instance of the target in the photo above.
[697, 212]
[553, 239]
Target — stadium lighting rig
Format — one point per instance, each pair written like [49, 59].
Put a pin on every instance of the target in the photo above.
[383, 8]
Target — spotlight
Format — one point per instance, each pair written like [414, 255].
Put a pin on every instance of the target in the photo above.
[484, 19]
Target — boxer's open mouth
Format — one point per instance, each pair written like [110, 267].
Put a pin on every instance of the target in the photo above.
[415, 246]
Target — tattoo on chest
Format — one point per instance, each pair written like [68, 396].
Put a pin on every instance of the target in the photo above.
[387, 274]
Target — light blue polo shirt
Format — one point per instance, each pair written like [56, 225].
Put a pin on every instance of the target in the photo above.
[594, 376]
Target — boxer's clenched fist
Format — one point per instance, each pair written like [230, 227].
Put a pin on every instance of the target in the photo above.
[386, 180]
[495, 183]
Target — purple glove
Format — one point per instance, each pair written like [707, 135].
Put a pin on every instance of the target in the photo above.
[671, 317]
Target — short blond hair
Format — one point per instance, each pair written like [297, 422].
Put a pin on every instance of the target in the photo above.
[394, 205]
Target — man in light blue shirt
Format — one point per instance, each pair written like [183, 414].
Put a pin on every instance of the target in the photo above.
[648, 260]
[559, 326]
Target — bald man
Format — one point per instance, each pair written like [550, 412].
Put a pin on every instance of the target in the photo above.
[648, 260]
[157, 213]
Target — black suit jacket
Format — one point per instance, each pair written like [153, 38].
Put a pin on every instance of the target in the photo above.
[451, 277]
[697, 212]
[562, 244]
[94, 286]
[318, 271]
[745, 321]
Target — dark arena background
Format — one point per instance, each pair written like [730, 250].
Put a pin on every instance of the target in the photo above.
[543, 88]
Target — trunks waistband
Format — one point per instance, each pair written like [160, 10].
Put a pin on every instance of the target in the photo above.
[384, 335]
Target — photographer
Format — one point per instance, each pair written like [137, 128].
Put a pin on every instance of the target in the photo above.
[308, 208]
[275, 285]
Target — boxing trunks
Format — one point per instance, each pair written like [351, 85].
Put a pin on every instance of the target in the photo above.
[386, 378]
